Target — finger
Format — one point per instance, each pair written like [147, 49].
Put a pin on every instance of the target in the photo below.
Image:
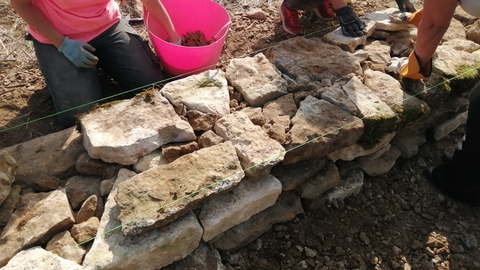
[356, 30]
[89, 47]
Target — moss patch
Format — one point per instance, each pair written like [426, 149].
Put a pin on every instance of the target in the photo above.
[466, 79]
[375, 129]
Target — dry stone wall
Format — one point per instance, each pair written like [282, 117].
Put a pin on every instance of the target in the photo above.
[221, 156]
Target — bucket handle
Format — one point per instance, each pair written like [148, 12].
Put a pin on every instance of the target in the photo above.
[218, 35]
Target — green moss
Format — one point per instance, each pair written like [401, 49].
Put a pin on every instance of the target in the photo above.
[410, 115]
[375, 130]
[465, 80]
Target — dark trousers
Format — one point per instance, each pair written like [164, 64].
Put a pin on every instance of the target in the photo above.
[122, 54]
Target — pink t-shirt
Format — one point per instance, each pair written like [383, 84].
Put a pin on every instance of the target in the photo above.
[78, 19]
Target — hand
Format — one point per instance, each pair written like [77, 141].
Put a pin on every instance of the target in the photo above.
[407, 17]
[351, 25]
[396, 64]
[179, 42]
[409, 67]
[78, 52]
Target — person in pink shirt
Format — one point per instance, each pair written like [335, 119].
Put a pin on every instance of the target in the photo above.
[74, 38]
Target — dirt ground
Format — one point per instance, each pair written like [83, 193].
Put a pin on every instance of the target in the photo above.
[398, 221]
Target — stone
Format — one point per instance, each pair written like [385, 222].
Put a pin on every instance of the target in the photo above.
[293, 175]
[380, 165]
[147, 122]
[87, 210]
[40, 259]
[311, 59]
[256, 79]
[65, 246]
[321, 182]
[201, 121]
[209, 138]
[9, 205]
[378, 52]
[349, 44]
[324, 127]
[388, 89]
[45, 183]
[173, 151]
[85, 231]
[46, 155]
[8, 168]
[79, 188]
[153, 250]
[450, 125]
[204, 257]
[34, 221]
[351, 182]
[88, 166]
[155, 158]
[257, 152]
[206, 92]
[338, 97]
[247, 199]
[177, 188]
[286, 208]
[355, 150]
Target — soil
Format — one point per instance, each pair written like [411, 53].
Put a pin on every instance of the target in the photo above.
[397, 221]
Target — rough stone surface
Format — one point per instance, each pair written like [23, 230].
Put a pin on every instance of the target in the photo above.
[257, 152]
[287, 207]
[325, 127]
[111, 138]
[46, 155]
[256, 79]
[40, 259]
[247, 199]
[65, 246]
[8, 168]
[177, 188]
[158, 248]
[206, 92]
[35, 221]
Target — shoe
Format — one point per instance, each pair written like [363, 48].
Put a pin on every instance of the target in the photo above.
[290, 20]
[458, 186]
[324, 11]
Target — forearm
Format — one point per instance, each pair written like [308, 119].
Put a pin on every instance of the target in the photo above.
[37, 20]
[437, 15]
[158, 11]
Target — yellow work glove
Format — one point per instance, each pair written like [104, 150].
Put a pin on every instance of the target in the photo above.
[408, 67]
[407, 17]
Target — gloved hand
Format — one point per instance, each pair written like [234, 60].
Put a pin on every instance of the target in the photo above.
[408, 67]
[351, 25]
[179, 42]
[78, 52]
[407, 17]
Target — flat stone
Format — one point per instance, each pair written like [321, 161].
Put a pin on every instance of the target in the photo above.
[162, 194]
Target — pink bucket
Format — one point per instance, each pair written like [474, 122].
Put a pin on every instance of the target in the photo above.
[189, 16]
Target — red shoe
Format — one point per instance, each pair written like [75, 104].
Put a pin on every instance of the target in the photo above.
[290, 20]
[324, 11]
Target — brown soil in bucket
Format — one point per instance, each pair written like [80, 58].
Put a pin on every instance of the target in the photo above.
[194, 39]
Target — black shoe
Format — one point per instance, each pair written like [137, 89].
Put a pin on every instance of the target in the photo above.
[461, 186]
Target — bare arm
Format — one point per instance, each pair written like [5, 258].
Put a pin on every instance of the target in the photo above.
[157, 10]
[436, 18]
[338, 3]
[37, 20]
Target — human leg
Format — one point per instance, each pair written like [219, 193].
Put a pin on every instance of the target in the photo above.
[73, 90]
[127, 58]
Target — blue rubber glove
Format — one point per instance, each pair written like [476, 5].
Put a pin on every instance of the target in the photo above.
[78, 52]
